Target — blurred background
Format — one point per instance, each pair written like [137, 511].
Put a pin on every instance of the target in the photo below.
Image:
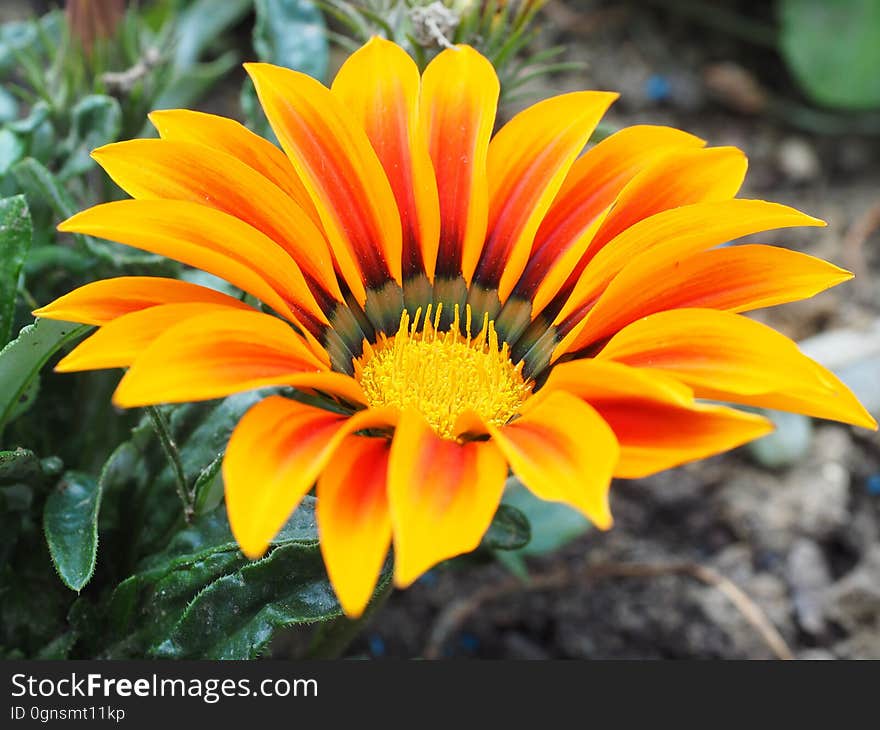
[771, 551]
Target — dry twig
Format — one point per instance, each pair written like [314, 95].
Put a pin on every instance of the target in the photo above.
[854, 247]
[457, 612]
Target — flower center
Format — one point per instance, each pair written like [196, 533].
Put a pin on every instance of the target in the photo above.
[443, 374]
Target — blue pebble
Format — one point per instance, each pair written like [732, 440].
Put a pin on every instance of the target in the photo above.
[469, 641]
[874, 485]
[376, 644]
[658, 88]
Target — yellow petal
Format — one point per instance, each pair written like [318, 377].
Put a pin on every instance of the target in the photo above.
[333, 157]
[527, 163]
[118, 343]
[443, 495]
[458, 102]
[725, 356]
[379, 84]
[353, 519]
[593, 182]
[655, 418]
[103, 301]
[562, 451]
[274, 456]
[150, 169]
[679, 231]
[214, 355]
[682, 177]
[206, 239]
[227, 135]
[735, 278]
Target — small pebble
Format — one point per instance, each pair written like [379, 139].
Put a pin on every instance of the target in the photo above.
[798, 160]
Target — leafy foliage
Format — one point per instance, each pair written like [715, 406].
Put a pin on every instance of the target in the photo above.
[70, 520]
[833, 49]
[15, 240]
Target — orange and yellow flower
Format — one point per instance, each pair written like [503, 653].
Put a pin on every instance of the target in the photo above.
[465, 304]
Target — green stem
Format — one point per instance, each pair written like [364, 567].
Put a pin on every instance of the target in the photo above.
[334, 637]
[163, 431]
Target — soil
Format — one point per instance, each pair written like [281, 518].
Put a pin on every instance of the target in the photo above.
[802, 543]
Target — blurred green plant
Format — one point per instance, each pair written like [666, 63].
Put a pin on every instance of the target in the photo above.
[502, 30]
[833, 50]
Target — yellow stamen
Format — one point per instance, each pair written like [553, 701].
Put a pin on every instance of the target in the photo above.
[443, 374]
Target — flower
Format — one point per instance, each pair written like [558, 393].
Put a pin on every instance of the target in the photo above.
[460, 306]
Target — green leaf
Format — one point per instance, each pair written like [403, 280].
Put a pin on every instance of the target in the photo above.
[15, 240]
[208, 488]
[191, 84]
[553, 524]
[200, 25]
[42, 185]
[144, 608]
[23, 358]
[96, 121]
[15, 38]
[70, 521]
[8, 106]
[11, 150]
[235, 616]
[19, 466]
[292, 33]
[510, 530]
[833, 50]
[39, 113]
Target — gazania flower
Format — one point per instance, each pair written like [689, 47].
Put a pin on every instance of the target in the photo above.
[463, 306]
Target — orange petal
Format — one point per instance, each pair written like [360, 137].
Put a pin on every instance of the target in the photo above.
[206, 239]
[725, 356]
[214, 355]
[683, 177]
[118, 343]
[527, 163]
[680, 231]
[736, 278]
[275, 454]
[169, 170]
[353, 519]
[333, 157]
[592, 184]
[103, 301]
[654, 417]
[379, 84]
[227, 135]
[443, 495]
[654, 437]
[458, 102]
[562, 451]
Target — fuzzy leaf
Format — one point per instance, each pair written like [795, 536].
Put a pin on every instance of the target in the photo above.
[15, 240]
[208, 489]
[70, 520]
[145, 607]
[96, 121]
[235, 616]
[23, 358]
[19, 466]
